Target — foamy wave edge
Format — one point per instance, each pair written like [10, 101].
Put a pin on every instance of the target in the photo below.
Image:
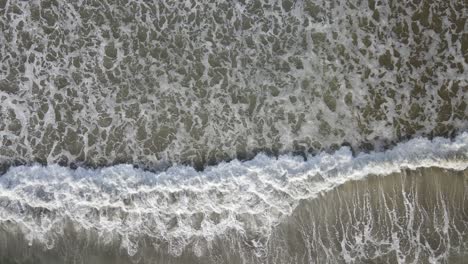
[182, 205]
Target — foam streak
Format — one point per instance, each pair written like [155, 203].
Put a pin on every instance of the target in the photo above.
[182, 204]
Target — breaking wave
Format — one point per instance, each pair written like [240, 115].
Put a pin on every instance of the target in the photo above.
[181, 205]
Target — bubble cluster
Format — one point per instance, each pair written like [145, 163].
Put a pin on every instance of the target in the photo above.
[154, 82]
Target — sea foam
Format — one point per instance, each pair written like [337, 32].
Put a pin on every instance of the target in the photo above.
[180, 205]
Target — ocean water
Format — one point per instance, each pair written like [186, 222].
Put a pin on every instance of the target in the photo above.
[212, 131]
[266, 210]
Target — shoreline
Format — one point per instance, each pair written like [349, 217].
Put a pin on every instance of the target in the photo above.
[184, 208]
[420, 189]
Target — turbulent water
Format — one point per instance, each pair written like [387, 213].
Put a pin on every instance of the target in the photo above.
[237, 131]
[245, 212]
[151, 82]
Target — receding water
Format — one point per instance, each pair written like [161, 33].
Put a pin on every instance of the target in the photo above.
[212, 131]
[416, 216]
[245, 212]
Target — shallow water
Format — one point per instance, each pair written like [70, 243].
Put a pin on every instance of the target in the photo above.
[416, 216]
[235, 212]
[265, 131]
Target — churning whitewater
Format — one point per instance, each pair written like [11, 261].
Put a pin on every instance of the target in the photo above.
[181, 206]
[236, 132]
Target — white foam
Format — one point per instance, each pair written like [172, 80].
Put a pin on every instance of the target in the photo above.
[180, 204]
[100, 120]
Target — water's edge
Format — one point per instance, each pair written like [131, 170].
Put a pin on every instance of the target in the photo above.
[184, 209]
[413, 216]
[237, 132]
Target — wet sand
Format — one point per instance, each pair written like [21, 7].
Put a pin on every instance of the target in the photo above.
[416, 216]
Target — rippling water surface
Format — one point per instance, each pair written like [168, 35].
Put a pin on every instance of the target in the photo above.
[153, 82]
[263, 131]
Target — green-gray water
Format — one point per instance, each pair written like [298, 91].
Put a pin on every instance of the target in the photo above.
[157, 82]
[217, 131]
